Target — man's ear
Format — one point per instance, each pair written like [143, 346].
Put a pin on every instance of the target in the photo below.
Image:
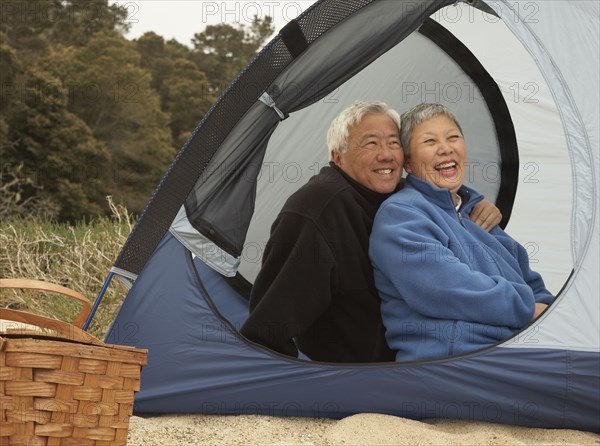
[408, 166]
[336, 157]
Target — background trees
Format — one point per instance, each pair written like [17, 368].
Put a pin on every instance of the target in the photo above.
[183, 89]
[222, 51]
[86, 113]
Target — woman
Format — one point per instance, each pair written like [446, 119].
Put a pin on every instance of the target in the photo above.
[447, 286]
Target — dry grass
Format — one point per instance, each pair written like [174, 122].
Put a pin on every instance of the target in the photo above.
[78, 257]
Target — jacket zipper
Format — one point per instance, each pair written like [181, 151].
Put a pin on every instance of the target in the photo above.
[460, 219]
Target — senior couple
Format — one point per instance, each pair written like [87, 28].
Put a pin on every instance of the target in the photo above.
[364, 266]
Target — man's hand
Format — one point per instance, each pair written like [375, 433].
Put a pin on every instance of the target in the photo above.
[486, 215]
[539, 309]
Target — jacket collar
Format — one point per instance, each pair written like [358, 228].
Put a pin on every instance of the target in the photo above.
[441, 196]
[371, 196]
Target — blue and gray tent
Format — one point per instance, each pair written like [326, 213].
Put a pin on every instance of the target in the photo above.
[193, 254]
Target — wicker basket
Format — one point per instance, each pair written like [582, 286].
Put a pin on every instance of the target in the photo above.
[61, 386]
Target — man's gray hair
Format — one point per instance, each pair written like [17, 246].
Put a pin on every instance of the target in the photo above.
[339, 130]
[416, 116]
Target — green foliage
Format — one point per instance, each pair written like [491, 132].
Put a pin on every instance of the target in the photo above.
[111, 92]
[184, 90]
[86, 113]
[52, 147]
[33, 25]
[79, 21]
[222, 51]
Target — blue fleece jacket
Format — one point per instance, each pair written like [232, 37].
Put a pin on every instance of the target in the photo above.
[447, 286]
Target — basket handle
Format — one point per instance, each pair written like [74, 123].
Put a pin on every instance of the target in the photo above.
[58, 289]
[58, 328]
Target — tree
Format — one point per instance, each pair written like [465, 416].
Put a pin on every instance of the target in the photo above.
[52, 150]
[76, 22]
[28, 24]
[222, 51]
[183, 89]
[31, 26]
[86, 113]
[111, 92]
[186, 98]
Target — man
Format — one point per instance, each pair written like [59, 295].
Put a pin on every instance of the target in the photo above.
[315, 290]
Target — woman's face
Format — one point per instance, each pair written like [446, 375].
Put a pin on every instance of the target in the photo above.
[438, 153]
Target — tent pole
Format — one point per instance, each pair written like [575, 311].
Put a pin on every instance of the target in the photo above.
[98, 300]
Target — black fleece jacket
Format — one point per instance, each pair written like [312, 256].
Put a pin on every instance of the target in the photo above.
[316, 283]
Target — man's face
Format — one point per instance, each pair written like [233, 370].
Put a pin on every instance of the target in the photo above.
[374, 157]
[438, 153]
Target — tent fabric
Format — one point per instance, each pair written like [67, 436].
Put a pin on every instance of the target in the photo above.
[505, 132]
[198, 363]
[268, 178]
[210, 216]
[242, 96]
[574, 321]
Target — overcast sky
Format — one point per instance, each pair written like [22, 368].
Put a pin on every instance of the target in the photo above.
[181, 19]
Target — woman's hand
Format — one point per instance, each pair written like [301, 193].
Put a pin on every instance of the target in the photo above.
[486, 215]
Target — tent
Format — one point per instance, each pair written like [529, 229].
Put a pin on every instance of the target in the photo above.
[195, 250]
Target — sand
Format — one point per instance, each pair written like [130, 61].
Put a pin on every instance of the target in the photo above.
[359, 430]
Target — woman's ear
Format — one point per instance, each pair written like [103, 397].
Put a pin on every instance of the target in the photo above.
[408, 166]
